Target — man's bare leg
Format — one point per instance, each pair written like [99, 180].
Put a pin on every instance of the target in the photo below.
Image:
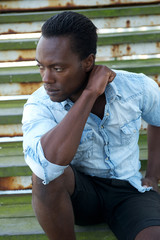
[53, 207]
[150, 233]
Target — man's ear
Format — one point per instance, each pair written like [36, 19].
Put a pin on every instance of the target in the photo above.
[88, 63]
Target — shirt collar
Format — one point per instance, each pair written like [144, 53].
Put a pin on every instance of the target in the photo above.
[67, 104]
[111, 93]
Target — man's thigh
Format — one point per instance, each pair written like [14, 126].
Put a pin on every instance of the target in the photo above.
[135, 212]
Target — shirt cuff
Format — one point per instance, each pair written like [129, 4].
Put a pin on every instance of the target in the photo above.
[43, 169]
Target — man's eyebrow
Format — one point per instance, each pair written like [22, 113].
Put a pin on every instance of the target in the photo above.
[37, 60]
[51, 65]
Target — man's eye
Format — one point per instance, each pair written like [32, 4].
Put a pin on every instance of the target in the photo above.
[58, 69]
[40, 67]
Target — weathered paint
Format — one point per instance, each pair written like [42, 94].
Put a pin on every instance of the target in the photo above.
[20, 28]
[15, 183]
[11, 89]
[58, 4]
[120, 50]
[12, 130]
[103, 52]
[101, 23]
[156, 78]
[17, 55]
[133, 10]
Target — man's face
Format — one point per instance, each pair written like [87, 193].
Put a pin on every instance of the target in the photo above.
[61, 69]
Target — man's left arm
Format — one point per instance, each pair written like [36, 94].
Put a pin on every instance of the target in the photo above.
[153, 167]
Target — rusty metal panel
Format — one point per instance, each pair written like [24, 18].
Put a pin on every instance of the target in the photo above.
[101, 23]
[118, 51]
[11, 89]
[127, 22]
[156, 78]
[104, 52]
[13, 130]
[15, 183]
[20, 27]
[17, 55]
[25, 5]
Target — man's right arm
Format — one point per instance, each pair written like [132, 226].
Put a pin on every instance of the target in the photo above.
[60, 143]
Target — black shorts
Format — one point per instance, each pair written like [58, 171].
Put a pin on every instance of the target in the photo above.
[116, 202]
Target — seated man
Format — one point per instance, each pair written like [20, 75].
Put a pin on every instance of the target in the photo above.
[81, 131]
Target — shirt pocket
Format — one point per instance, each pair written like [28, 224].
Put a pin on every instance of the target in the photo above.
[129, 131]
[85, 149]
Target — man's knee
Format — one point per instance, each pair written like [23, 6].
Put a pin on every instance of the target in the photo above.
[150, 233]
[65, 183]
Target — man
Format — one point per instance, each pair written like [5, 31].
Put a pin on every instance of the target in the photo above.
[81, 132]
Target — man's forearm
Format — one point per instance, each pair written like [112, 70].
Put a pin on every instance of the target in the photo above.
[60, 144]
[153, 167]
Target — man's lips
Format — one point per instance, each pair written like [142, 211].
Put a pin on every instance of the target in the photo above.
[51, 91]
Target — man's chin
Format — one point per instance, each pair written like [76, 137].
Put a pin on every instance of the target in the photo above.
[56, 99]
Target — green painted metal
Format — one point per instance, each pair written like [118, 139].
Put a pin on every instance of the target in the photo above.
[11, 144]
[10, 119]
[103, 39]
[18, 44]
[15, 171]
[23, 77]
[24, 237]
[146, 66]
[124, 38]
[18, 210]
[14, 151]
[91, 13]
[12, 103]
[19, 74]
[15, 199]
[28, 227]
[79, 236]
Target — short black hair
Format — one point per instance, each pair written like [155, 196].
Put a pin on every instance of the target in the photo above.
[80, 29]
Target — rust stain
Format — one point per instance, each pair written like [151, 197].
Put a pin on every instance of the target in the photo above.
[158, 44]
[20, 58]
[20, 55]
[127, 23]
[29, 88]
[155, 77]
[116, 50]
[10, 31]
[13, 183]
[11, 135]
[128, 48]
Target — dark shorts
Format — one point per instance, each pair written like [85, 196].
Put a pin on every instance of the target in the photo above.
[116, 202]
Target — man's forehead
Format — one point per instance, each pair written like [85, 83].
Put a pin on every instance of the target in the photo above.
[55, 49]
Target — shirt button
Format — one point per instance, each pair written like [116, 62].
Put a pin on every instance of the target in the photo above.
[107, 158]
[107, 114]
[102, 126]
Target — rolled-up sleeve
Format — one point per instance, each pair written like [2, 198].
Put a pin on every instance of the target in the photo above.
[37, 120]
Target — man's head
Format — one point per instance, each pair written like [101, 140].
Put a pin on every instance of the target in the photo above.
[80, 30]
[66, 54]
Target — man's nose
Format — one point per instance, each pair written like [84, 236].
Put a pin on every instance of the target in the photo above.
[47, 76]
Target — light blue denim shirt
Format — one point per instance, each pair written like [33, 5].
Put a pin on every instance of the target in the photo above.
[108, 147]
